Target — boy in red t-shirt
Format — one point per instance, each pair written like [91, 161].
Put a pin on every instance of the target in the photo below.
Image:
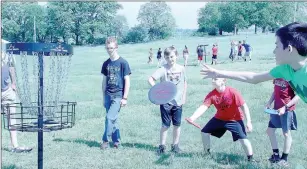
[214, 54]
[229, 104]
[284, 102]
[240, 49]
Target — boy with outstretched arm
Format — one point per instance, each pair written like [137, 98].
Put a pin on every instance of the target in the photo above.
[229, 104]
[291, 59]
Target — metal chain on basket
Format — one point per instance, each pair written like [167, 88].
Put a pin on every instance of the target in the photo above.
[55, 80]
[49, 86]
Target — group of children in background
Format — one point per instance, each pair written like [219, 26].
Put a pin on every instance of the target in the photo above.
[236, 52]
[230, 105]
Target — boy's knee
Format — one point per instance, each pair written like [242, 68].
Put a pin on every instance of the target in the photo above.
[244, 140]
[270, 131]
[205, 134]
[165, 126]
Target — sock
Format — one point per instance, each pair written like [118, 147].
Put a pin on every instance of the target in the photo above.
[284, 156]
[208, 150]
[249, 157]
[276, 152]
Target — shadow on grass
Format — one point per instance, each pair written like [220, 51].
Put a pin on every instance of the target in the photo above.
[226, 158]
[11, 166]
[80, 141]
[6, 149]
[235, 159]
[91, 143]
[139, 146]
[164, 159]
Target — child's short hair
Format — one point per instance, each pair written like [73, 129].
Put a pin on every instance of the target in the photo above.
[294, 34]
[111, 39]
[169, 50]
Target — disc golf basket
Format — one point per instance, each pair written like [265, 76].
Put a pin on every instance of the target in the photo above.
[41, 74]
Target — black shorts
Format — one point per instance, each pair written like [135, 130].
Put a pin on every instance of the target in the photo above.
[239, 53]
[214, 56]
[218, 128]
[170, 113]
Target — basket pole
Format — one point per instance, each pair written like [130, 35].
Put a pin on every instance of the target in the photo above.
[40, 110]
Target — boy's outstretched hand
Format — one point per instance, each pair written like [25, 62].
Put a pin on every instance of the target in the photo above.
[189, 120]
[208, 72]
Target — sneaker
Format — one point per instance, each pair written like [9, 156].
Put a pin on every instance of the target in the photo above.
[161, 149]
[104, 145]
[283, 163]
[175, 148]
[207, 151]
[274, 159]
[116, 144]
[21, 149]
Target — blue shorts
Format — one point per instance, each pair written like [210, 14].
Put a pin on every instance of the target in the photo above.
[217, 128]
[170, 113]
[286, 121]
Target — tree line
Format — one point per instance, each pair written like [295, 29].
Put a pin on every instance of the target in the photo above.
[217, 17]
[82, 23]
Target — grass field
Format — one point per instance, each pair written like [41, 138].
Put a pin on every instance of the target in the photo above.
[78, 148]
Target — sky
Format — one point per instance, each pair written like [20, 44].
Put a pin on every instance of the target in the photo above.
[185, 13]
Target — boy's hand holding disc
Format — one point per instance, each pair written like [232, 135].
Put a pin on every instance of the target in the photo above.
[162, 93]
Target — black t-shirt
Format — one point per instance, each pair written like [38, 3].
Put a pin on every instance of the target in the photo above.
[115, 71]
[159, 54]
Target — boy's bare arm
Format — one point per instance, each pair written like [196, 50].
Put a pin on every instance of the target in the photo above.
[200, 111]
[185, 92]
[271, 100]
[294, 100]
[249, 77]
[103, 87]
[12, 76]
[151, 81]
[127, 86]
[245, 109]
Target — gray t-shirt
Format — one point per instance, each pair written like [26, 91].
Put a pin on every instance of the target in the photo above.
[177, 76]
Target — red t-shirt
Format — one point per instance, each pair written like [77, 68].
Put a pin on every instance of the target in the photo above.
[283, 94]
[240, 47]
[227, 103]
[214, 50]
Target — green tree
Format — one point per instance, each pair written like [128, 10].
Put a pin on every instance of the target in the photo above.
[157, 18]
[208, 18]
[233, 15]
[136, 34]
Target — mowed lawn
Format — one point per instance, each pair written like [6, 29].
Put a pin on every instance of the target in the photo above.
[78, 147]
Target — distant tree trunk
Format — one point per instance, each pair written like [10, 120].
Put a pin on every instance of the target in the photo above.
[263, 29]
[255, 29]
[23, 36]
[77, 39]
[220, 31]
